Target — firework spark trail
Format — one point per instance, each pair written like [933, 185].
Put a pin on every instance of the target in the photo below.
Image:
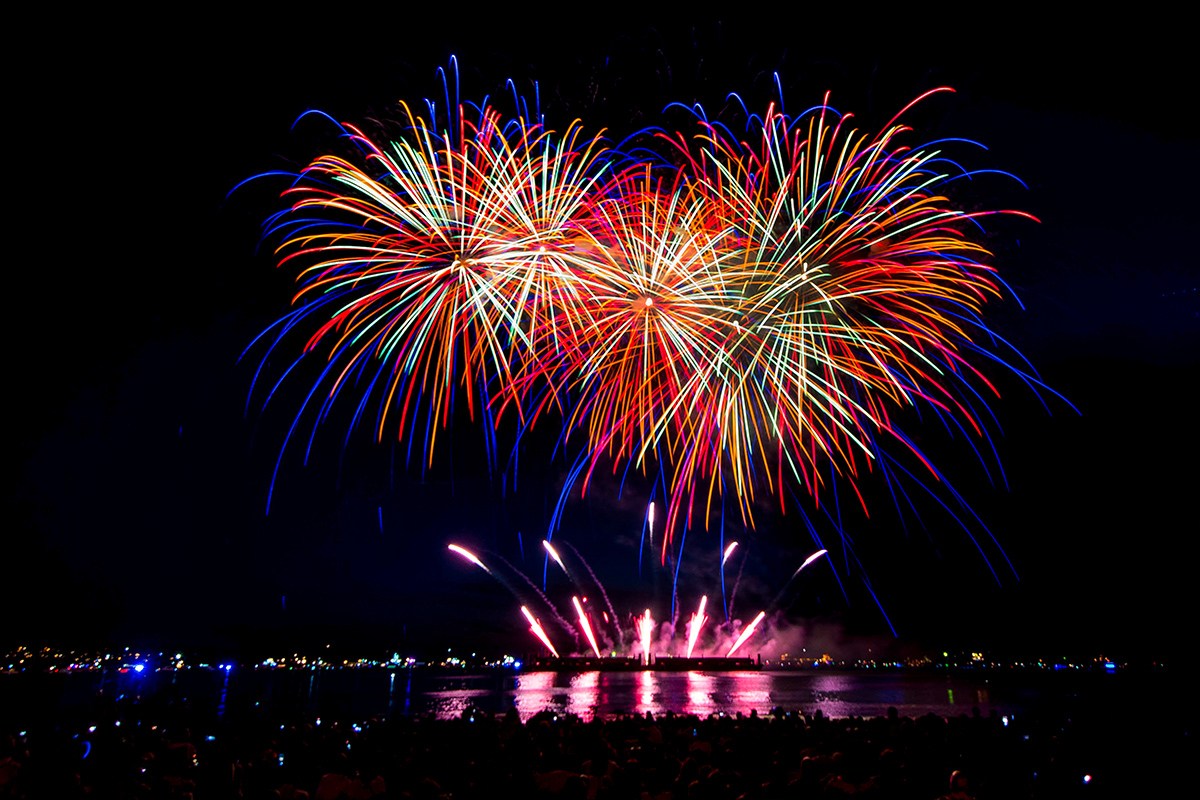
[775, 603]
[724, 558]
[595, 583]
[694, 626]
[610, 613]
[650, 522]
[746, 633]
[504, 578]
[544, 601]
[587, 626]
[643, 626]
[736, 583]
[809, 560]
[557, 558]
[645, 630]
[538, 631]
[469, 556]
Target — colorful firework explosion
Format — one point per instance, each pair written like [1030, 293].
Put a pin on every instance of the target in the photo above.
[734, 315]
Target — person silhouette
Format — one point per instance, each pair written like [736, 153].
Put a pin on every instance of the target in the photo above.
[959, 789]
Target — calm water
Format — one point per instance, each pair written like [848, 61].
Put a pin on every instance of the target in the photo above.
[362, 694]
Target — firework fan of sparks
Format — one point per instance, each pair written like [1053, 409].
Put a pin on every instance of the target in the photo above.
[599, 628]
[739, 314]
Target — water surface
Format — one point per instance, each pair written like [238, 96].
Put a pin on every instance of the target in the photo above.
[220, 695]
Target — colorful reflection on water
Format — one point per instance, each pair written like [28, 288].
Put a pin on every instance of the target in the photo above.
[588, 694]
[365, 694]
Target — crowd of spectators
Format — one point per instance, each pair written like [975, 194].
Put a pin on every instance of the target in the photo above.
[782, 754]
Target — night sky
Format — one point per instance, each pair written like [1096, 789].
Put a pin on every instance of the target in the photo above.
[137, 495]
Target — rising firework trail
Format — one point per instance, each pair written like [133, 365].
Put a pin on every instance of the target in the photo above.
[469, 556]
[692, 637]
[586, 625]
[557, 558]
[645, 630]
[609, 614]
[694, 626]
[746, 633]
[518, 584]
[737, 581]
[725, 557]
[537, 630]
[808, 561]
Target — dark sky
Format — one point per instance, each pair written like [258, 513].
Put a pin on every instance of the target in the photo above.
[139, 484]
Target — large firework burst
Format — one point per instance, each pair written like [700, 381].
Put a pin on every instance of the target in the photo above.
[740, 314]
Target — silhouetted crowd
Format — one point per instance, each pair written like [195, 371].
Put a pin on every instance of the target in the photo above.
[783, 754]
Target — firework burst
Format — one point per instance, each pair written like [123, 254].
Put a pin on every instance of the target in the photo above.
[435, 263]
[738, 316]
[858, 290]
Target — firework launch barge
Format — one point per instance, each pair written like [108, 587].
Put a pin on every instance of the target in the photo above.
[661, 663]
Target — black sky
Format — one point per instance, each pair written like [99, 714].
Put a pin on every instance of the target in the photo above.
[139, 485]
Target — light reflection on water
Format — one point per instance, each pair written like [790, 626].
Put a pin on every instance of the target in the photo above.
[647, 692]
[699, 699]
[534, 692]
[584, 695]
[363, 694]
[588, 694]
